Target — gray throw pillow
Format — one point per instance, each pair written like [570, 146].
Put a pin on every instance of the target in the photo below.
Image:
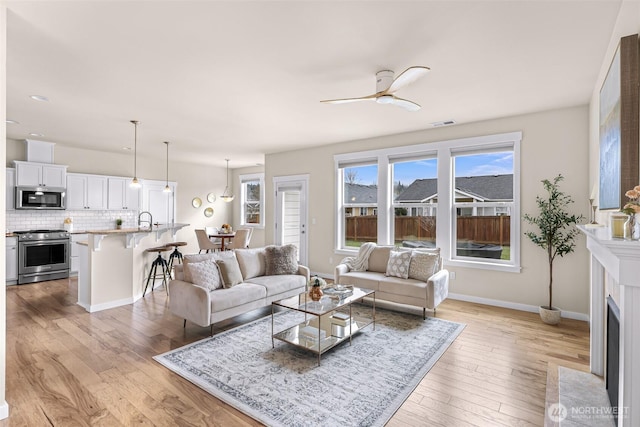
[229, 271]
[281, 260]
[423, 265]
[205, 274]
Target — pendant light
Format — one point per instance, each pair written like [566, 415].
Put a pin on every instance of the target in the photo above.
[134, 182]
[227, 196]
[167, 189]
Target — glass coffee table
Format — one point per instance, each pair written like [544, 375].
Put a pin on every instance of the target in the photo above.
[327, 322]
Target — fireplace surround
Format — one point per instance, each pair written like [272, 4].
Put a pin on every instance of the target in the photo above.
[619, 261]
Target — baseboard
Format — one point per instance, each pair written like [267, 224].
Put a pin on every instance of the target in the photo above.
[4, 410]
[110, 304]
[515, 306]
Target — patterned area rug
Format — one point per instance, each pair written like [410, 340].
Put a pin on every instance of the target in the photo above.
[362, 384]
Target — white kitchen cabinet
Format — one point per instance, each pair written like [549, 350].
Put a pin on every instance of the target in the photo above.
[11, 266]
[31, 174]
[160, 204]
[121, 196]
[10, 189]
[75, 252]
[86, 192]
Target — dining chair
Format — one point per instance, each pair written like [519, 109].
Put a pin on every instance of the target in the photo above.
[204, 243]
[241, 239]
[213, 230]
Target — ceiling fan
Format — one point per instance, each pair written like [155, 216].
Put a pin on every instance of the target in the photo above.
[386, 86]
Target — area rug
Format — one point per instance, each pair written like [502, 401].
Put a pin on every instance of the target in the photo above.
[362, 384]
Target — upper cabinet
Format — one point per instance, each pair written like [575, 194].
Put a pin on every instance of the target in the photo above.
[121, 196]
[86, 191]
[31, 174]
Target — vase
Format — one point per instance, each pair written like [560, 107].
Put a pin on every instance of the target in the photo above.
[631, 231]
[315, 293]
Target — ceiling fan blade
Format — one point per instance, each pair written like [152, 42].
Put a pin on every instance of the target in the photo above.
[348, 100]
[404, 103]
[407, 77]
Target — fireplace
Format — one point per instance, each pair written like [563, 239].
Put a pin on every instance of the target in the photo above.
[613, 353]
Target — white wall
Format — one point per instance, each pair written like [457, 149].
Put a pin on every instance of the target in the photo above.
[4, 408]
[194, 180]
[553, 142]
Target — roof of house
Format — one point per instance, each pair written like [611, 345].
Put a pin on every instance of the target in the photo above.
[487, 188]
[358, 193]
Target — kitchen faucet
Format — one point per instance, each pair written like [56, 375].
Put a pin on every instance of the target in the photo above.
[150, 219]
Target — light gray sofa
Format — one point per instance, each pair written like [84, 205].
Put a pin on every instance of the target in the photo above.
[427, 294]
[205, 307]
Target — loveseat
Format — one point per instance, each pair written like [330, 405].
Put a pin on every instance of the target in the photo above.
[414, 276]
[212, 287]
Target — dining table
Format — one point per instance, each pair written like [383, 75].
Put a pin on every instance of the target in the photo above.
[223, 237]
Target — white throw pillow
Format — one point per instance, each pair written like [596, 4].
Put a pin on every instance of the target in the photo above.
[398, 265]
[423, 265]
[205, 274]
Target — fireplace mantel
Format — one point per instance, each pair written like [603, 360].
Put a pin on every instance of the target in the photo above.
[620, 259]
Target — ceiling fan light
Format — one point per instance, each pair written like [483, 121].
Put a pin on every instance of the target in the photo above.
[385, 99]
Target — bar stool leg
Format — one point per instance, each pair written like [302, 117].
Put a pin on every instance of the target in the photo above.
[152, 273]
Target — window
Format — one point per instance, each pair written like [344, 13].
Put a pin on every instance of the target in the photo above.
[483, 202]
[359, 210]
[252, 200]
[415, 197]
[460, 195]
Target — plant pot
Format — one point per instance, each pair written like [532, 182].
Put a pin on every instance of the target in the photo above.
[550, 316]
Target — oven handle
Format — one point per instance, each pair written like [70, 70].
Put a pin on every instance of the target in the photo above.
[43, 242]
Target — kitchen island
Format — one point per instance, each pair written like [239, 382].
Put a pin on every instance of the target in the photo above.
[113, 264]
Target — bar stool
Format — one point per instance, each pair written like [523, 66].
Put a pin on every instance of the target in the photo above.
[153, 271]
[175, 255]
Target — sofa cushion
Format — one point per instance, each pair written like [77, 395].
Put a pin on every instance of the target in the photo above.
[379, 258]
[362, 279]
[205, 274]
[252, 262]
[423, 265]
[398, 264]
[230, 272]
[223, 299]
[405, 287]
[281, 260]
[281, 283]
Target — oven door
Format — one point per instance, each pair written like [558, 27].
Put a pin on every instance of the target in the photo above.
[43, 260]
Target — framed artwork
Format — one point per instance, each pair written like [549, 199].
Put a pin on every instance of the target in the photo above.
[619, 130]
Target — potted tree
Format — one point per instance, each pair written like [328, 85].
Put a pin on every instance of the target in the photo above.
[556, 234]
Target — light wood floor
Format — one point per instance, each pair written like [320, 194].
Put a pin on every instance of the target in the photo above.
[68, 367]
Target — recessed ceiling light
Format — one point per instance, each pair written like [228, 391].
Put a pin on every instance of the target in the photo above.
[39, 98]
[36, 134]
[12, 122]
[126, 148]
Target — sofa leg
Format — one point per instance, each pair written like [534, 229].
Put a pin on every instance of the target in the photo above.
[424, 313]
[212, 329]
[184, 324]
[434, 312]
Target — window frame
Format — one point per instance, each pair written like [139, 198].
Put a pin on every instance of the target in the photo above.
[445, 210]
[244, 179]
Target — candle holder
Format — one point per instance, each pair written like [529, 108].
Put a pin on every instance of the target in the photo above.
[593, 212]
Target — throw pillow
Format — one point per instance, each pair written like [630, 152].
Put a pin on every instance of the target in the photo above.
[191, 259]
[230, 272]
[281, 260]
[205, 274]
[398, 265]
[423, 265]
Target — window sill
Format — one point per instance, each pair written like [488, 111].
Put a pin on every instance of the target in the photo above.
[483, 265]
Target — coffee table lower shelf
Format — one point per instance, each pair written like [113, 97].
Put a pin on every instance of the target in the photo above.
[294, 336]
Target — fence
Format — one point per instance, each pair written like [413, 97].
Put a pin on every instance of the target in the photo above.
[480, 229]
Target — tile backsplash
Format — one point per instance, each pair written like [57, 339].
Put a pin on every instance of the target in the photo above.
[18, 220]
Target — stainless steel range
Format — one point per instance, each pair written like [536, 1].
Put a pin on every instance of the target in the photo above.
[42, 255]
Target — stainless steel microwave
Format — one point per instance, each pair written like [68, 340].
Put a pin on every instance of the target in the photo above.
[40, 198]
